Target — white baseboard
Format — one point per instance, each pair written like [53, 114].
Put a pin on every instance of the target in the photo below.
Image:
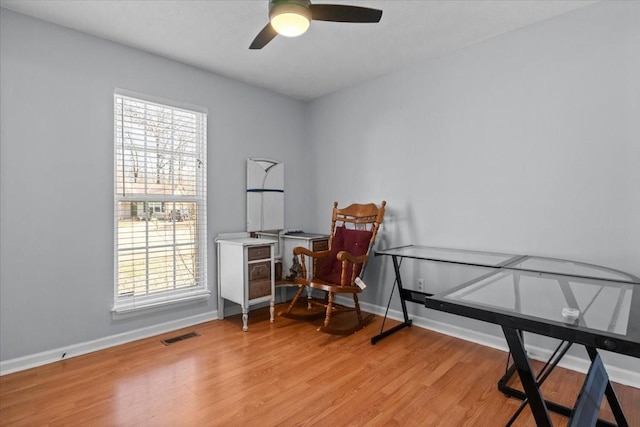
[616, 374]
[50, 356]
[55, 355]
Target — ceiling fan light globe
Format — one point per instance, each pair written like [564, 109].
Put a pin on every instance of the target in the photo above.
[290, 20]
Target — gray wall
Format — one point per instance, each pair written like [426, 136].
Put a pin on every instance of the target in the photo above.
[527, 143]
[56, 279]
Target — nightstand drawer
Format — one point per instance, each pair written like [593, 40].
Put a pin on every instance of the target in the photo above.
[259, 271]
[259, 252]
[259, 288]
[320, 245]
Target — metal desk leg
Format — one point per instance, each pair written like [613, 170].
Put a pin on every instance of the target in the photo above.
[527, 378]
[407, 321]
[543, 374]
[396, 267]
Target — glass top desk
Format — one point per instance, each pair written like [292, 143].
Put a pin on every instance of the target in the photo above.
[574, 302]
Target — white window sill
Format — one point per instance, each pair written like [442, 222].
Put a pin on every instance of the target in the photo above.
[142, 305]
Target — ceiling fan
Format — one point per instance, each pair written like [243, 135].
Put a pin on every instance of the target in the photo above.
[291, 18]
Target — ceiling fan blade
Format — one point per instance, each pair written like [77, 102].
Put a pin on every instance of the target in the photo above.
[265, 36]
[340, 13]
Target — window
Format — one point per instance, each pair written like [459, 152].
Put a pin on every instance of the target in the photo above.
[160, 204]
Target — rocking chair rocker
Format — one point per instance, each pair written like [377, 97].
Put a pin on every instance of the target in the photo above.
[334, 271]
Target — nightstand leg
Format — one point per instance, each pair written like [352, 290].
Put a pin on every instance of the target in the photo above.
[245, 318]
[272, 309]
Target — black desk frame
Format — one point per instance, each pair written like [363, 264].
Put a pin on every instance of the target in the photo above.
[407, 295]
[513, 328]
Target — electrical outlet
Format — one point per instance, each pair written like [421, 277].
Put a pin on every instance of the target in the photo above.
[421, 285]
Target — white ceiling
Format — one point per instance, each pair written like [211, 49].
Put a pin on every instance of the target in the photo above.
[215, 35]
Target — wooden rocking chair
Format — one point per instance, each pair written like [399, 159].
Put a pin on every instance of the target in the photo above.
[353, 232]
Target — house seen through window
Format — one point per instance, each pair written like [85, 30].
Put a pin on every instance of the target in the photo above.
[160, 203]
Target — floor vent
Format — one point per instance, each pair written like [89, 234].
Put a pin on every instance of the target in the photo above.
[180, 338]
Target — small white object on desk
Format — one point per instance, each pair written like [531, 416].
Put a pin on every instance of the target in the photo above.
[570, 314]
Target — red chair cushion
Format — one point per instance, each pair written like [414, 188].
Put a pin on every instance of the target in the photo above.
[356, 242]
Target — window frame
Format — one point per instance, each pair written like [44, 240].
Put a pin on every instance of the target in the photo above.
[125, 304]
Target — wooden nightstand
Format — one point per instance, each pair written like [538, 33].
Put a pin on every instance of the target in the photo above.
[246, 273]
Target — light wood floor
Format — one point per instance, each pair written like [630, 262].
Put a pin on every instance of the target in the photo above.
[284, 374]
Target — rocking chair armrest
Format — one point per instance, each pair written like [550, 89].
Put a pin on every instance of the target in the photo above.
[301, 250]
[346, 256]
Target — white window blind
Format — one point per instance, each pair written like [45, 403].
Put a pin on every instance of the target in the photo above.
[160, 204]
